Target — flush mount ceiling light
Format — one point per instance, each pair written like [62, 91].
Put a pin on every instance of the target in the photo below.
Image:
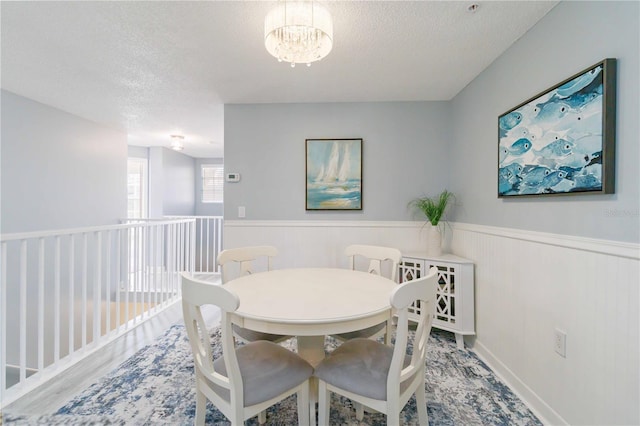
[299, 32]
[176, 142]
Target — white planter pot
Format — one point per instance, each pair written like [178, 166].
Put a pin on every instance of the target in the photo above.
[434, 241]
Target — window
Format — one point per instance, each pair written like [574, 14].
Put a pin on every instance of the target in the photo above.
[212, 183]
[137, 198]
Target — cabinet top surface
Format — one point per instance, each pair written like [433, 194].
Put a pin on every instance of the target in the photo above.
[445, 257]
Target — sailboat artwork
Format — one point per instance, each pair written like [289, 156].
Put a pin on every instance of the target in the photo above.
[334, 174]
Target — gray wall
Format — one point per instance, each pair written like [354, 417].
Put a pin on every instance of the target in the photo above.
[59, 170]
[171, 183]
[206, 209]
[405, 147]
[415, 148]
[572, 37]
[156, 182]
[178, 183]
[169, 177]
[138, 151]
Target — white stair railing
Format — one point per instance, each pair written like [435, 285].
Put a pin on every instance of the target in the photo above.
[65, 294]
[208, 241]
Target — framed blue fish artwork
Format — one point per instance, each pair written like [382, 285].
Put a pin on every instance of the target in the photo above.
[561, 141]
[333, 174]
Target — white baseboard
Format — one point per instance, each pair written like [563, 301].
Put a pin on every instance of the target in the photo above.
[541, 409]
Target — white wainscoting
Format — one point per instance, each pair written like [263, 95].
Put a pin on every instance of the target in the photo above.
[527, 285]
[322, 243]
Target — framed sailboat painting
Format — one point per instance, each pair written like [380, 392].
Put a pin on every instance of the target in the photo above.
[333, 174]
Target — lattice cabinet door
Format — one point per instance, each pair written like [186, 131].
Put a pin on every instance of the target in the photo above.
[455, 294]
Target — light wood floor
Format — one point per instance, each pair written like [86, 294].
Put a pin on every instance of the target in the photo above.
[48, 398]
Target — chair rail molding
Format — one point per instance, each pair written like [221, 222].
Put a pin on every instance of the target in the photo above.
[324, 223]
[614, 248]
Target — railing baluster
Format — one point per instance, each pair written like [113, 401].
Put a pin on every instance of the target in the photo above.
[128, 276]
[207, 247]
[136, 276]
[192, 240]
[165, 267]
[146, 303]
[23, 310]
[119, 278]
[154, 265]
[142, 271]
[218, 242]
[3, 318]
[72, 276]
[200, 268]
[174, 247]
[97, 289]
[83, 306]
[56, 301]
[108, 286]
[180, 249]
[40, 304]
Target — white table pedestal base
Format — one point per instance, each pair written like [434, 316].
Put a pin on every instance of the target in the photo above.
[311, 348]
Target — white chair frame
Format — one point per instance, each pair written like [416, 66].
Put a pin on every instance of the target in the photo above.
[423, 289]
[376, 255]
[245, 257]
[196, 293]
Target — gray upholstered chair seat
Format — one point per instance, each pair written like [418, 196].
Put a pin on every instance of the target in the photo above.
[360, 366]
[267, 370]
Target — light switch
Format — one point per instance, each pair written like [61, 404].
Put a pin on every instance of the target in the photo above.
[241, 211]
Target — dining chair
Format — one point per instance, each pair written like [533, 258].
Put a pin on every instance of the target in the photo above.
[243, 381]
[379, 376]
[242, 261]
[377, 258]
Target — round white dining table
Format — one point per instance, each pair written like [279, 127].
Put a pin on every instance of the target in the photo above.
[310, 303]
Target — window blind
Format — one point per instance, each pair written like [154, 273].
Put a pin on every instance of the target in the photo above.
[212, 183]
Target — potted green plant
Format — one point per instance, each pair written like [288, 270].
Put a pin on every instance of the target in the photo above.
[433, 208]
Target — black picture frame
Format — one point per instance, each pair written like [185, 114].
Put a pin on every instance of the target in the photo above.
[561, 141]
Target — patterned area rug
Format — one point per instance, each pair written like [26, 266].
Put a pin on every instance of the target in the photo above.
[155, 386]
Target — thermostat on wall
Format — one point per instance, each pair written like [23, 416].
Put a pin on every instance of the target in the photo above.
[233, 177]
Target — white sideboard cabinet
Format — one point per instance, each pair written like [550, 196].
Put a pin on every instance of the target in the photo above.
[455, 292]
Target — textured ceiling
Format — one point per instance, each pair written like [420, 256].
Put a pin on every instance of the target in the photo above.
[153, 69]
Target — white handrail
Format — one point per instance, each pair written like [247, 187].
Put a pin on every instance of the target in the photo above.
[66, 293]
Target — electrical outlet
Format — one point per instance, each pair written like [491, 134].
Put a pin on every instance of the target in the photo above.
[560, 342]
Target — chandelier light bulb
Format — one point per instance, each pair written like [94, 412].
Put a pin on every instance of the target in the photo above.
[298, 32]
[176, 142]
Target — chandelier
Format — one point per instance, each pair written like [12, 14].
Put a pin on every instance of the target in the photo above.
[299, 32]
